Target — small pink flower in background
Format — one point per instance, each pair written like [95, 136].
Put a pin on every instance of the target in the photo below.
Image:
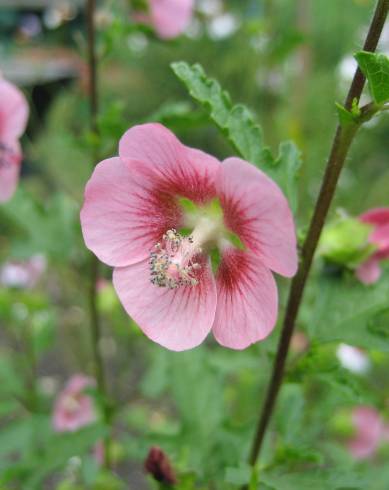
[369, 432]
[13, 120]
[369, 272]
[160, 211]
[169, 18]
[22, 273]
[73, 407]
[99, 452]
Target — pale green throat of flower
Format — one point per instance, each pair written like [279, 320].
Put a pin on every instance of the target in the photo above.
[174, 260]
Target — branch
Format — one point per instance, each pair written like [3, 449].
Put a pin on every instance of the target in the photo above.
[341, 144]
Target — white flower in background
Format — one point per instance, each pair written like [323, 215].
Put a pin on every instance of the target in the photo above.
[347, 67]
[22, 273]
[353, 359]
[210, 7]
[223, 26]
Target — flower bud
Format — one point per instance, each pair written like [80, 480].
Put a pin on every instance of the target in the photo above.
[157, 464]
[346, 242]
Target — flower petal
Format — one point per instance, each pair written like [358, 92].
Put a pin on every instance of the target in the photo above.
[369, 428]
[369, 272]
[376, 216]
[13, 111]
[123, 215]
[257, 211]
[380, 237]
[178, 319]
[170, 17]
[247, 300]
[178, 169]
[10, 171]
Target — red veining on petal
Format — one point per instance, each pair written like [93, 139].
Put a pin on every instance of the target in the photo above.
[236, 218]
[197, 187]
[233, 271]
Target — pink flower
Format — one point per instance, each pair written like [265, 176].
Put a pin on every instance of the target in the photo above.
[22, 273]
[133, 206]
[74, 408]
[98, 452]
[369, 272]
[369, 432]
[169, 18]
[13, 120]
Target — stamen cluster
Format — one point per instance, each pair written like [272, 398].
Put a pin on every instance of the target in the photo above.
[172, 261]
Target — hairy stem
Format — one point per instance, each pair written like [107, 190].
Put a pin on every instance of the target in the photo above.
[95, 321]
[340, 146]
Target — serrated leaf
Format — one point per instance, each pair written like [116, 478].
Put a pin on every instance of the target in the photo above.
[376, 69]
[236, 122]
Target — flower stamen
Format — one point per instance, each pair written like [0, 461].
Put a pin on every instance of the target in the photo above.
[172, 262]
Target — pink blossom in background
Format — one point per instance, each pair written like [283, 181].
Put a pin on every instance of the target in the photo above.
[98, 452]
[13, 120]
[73, 407]
[369, 272]
[169, 18]
[369, 432]
[137, 203]
[22, 273]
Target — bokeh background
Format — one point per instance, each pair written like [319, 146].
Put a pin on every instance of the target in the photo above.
[288, 61]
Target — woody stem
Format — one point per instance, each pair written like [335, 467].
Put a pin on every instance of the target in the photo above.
[95, 320]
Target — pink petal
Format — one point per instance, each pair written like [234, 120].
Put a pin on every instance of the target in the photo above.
[369, 428]
[9, 171]
[78, 382]
[247, 300]
[257, 211]
[13, 112]
[178, 319]
[380, 237]
[369, 272]
[178, 169]
[124, 213]
[377, 216]
[170, 18]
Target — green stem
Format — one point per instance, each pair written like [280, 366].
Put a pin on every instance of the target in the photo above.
[340, 147]
[95, 320]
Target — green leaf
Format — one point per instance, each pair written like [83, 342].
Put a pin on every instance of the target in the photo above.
[346, 118]
[376, 69]
[238, 476]
[285, 171]
[240, 127]
[50, 229]
[345, 310]
[236, 122]
[311, 479]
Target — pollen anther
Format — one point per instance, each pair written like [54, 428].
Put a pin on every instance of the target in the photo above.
[172, 261]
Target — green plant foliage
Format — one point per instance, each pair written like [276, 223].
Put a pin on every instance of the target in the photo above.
[345, 310]
[376, 69]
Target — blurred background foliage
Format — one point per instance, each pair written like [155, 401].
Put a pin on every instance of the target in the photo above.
[288, 61]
